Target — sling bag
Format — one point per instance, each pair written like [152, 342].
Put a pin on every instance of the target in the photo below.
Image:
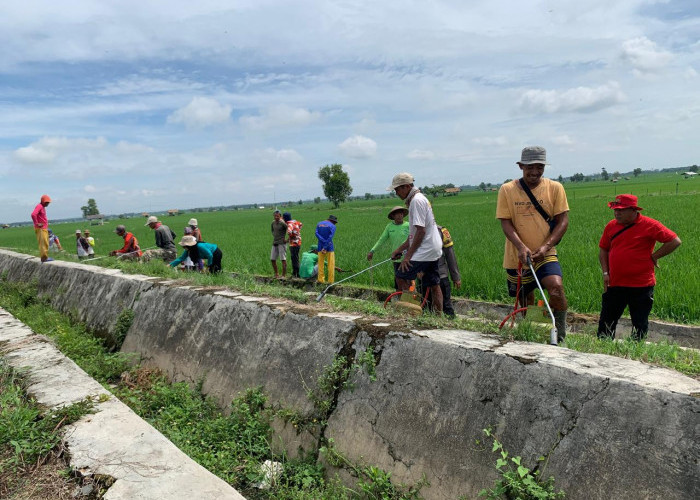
[621, 231]
[551, 221]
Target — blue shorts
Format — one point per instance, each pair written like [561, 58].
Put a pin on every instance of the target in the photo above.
[549, 266]
[431, 273]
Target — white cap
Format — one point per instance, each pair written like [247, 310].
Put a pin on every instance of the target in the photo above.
[401, 179]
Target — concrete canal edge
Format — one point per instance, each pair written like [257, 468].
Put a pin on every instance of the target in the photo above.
[593, 415]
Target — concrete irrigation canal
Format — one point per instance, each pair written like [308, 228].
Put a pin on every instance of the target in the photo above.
[612, 428]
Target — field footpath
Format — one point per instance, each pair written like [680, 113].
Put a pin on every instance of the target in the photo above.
[113, 441]
[683, 335]
[435, 391]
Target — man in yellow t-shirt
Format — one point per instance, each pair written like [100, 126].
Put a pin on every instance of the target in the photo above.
[529, 234]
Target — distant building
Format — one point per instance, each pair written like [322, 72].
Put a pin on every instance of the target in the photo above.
[145, 214]
[689, 174]
[452, 191]
[95, 220]
[173, 212]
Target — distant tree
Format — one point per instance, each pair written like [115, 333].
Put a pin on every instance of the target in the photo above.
[637, 171]
[368, 196]
[336, 183]
[560, 179]
[300, 202]
[604, 174]
[90, 208]
[616, 175]
[482, 186]
[578, 177]
[694, 168]
[317, 199]
[507, 181]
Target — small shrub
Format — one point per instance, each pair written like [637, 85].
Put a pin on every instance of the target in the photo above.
[517, 481]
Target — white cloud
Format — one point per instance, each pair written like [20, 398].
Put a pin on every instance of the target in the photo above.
[272, 156]
[490, 141]
[420, 154]
[89, 188]
[644, 55]
[358, 146]
[48, 149]
[562, 140]
[201, 112]
[579, 99]
[280, 116]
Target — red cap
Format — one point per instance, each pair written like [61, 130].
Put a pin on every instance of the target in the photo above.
[45, 198]
[624, 201]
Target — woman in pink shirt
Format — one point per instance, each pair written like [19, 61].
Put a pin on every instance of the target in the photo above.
[41, 227]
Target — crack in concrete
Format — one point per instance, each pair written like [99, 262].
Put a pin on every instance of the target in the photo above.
[575, 415]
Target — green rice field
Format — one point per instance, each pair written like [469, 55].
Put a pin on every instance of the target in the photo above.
[245, 239]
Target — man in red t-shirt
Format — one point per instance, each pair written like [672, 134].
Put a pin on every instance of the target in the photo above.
[627, 258]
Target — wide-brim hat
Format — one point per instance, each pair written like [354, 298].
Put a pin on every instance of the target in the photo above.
[401, 179]
[532, 155]
[77, 231]
[192, 222]
[333, 219]
[624, 201]
[151, 220]
[188, 241]
[398, 208]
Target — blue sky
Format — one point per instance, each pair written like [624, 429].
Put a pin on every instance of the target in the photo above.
[147, 106]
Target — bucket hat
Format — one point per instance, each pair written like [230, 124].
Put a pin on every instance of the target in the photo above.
[333, 219]
[313, 248]
[151, 220]
[533, 154]
[192, 222]
[624, 201]
[188, 241]
[77, 231]
[120, 229]
[400, 180]
[396, 208]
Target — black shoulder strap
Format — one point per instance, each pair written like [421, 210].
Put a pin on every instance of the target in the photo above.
[535, 204]
[621, 231]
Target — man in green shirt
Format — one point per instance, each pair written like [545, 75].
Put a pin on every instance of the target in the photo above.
[395, 233]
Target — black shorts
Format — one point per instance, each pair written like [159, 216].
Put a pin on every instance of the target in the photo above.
[549, 266]
[431, 273]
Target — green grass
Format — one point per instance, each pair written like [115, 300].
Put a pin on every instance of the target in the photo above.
[244, 237]
[28, 433]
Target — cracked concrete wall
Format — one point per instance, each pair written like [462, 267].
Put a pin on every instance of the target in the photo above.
[614, 428]
[611, 426]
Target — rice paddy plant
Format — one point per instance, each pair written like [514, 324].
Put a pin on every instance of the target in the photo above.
[245, 239]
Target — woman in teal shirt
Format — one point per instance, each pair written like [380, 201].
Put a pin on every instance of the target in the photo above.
[396, 233]
[198, 251]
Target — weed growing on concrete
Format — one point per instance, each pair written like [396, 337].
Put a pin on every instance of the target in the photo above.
[373, 482]
[516, 480]
[123, 323]
[28, 435]
[368, 362]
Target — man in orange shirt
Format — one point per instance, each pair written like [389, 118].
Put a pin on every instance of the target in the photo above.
[131, 249]
[627, 259]
[41, 227]
[530, 235]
